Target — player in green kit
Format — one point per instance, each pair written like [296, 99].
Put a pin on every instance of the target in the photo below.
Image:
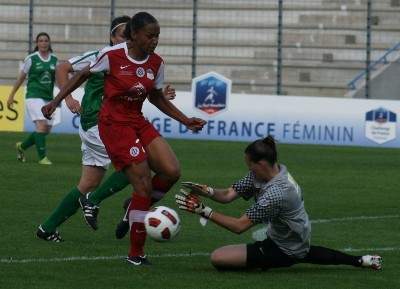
[95, 160]
[40, 68]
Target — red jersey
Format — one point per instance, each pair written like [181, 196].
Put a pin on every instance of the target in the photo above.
[127, 82]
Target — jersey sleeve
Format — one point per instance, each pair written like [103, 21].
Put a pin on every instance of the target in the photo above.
[268, 206]
[158, 81]
[102, 64]
[27, 65]
[80, 62]
[245, 187]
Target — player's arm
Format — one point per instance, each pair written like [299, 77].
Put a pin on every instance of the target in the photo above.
[157, 98]
[20, 79]
[62, 73]
[72, 84]
[234, 225]
[192, 203]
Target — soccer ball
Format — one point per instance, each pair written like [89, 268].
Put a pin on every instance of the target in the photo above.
[162, 223]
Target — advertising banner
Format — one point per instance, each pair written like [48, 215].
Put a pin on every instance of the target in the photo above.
[290, 119]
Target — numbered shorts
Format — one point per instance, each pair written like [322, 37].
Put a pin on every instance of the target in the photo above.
[125, 143]
[34, 108]
[93, 150]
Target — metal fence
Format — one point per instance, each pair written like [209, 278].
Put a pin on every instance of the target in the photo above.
[299, 47]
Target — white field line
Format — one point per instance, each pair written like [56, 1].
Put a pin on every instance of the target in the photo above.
[354, 219]
[188, 255]
[260, 234]
[256, 235]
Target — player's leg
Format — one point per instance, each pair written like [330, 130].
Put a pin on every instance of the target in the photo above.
[164, 163]
[261, 254]
[140, 177]
[69, 204]
[94, 152]
[325, 256]
[42, 130]
[230, 257]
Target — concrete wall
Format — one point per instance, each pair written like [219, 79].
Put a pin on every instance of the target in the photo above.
[385, 83]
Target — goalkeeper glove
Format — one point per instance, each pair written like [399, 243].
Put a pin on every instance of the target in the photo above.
[192, 203]
[199, 189]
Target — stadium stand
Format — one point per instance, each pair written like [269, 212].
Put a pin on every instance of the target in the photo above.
[323, 41]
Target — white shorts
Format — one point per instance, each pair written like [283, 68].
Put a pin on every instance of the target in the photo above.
[34, 108]
[93, 150]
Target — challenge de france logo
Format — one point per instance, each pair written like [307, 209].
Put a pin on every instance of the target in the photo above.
[211, 92]
[380, 125]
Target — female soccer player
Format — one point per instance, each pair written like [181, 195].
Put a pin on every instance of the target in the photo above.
[133, 72]
[40, 68]
[278, 202]
[95, 161]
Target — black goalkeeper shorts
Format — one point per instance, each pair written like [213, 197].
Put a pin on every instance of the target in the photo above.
[266, 254]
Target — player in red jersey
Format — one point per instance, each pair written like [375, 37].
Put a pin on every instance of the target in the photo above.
[133, 72]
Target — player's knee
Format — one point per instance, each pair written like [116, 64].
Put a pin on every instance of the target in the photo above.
[172, 175]
[217, 258]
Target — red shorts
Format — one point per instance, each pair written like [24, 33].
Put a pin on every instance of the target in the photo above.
[125, 143]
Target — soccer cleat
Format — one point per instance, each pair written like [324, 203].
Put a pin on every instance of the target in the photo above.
[90, 211]
[21, 152]
[138, 261]
[123, 225]
[374, 262]
[54, 237]
[45, 161]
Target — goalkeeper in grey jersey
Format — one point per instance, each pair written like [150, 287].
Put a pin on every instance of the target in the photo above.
[278, 202]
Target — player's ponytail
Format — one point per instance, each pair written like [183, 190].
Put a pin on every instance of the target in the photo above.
[139, 20]
[263, 149]
[117, 22]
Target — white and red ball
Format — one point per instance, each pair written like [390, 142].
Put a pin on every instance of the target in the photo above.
[162, 223]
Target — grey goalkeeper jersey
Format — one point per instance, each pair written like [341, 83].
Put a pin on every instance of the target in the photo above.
[280, 204]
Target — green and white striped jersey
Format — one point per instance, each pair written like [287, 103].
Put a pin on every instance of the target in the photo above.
[41, 76]
[94, 90]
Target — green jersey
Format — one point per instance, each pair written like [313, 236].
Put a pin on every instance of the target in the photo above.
[94, 90]
[41, 76]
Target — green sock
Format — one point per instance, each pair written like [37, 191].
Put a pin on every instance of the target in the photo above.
[40, 140]
[65, 209]
[30, 141]
[113, 184]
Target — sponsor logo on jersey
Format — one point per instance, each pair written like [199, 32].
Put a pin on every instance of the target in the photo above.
[45, 78]
[380, 125]
[138, 89]
[123, 67]
[125, 72]
[140, 72]
[52, 66]
[211, 91]
[150, 74]
[134, 151]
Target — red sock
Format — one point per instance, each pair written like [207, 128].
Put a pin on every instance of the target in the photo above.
[160, 188]
[137, 211]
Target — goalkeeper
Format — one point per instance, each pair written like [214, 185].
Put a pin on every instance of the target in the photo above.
[278, 202]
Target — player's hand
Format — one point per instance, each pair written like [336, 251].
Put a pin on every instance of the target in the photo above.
[169, 92]
[10, 101]
[199, 189]
[73, 105]
[48, 110]
[192, 203]
[196, 124]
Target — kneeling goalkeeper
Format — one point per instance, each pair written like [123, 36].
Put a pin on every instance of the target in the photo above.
[278, 202]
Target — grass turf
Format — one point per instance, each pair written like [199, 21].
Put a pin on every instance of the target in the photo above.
[337, 182]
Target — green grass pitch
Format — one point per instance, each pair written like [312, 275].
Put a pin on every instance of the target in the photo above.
[340, 185]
